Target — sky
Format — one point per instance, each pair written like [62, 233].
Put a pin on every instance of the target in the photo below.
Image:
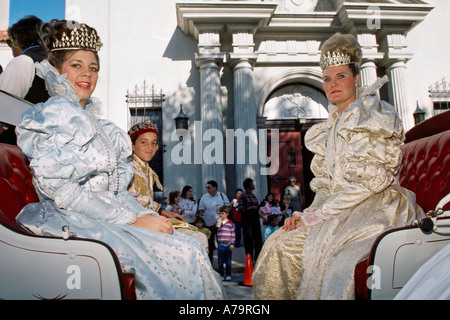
[44, 9]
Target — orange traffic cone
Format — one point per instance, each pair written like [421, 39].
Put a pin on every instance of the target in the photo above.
[248, 271]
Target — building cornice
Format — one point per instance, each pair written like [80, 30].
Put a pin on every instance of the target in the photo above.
[192, 15]
[399, 17]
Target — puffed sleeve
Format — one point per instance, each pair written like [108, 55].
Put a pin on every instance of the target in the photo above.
[316, 141]
[57, 138]
[373, 147]
[372, 135]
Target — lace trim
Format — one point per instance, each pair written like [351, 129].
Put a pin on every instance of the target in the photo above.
[56, 83]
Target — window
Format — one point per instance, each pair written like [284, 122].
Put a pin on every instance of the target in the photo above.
[440, 95]
[292, 159]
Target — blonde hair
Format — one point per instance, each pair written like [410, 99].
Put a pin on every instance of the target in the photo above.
[345, 44]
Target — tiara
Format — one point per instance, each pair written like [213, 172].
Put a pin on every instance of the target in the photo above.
[334, 59]
[79, 39]
[146, 126]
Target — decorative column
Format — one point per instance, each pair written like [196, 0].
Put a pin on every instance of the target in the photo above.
[397, 92]
[396, 54]
[211, 153]
[368, 72]
[246, 152]
[368, 68]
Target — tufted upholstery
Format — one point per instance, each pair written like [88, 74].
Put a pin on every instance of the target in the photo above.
[16, 188]
[426, 169]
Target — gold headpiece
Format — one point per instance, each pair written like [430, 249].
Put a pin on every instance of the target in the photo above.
[79, 39]
[334, 59]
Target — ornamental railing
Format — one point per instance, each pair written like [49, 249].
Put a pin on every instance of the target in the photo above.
[440, 95]
[144, 103]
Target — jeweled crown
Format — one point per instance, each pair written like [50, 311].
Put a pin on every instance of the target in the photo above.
[139, 128]
[334, 59]
[79, 38]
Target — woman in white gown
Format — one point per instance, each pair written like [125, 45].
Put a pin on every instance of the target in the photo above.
[356, 155]
[81, 174]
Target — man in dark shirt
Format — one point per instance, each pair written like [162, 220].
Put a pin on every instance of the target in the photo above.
[248, 206]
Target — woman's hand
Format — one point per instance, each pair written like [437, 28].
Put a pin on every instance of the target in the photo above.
[306, 219]
[293, 222]
[172, 215]
[290, 224]
[154, 223]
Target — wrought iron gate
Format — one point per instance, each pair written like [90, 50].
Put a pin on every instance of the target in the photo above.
[146, 104]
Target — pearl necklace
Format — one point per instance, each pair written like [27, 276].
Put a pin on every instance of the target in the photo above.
[113, 169]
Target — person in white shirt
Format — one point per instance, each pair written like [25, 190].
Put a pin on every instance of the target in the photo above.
[19, 77]
[188, 205]
[208, 209]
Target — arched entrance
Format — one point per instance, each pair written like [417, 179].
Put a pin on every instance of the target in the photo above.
[293, 108]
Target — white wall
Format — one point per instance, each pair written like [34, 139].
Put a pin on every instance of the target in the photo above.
[430, 43]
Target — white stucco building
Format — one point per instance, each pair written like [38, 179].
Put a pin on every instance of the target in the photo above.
[253, 65]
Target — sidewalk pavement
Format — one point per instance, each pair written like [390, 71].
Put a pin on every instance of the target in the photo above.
[235, 288]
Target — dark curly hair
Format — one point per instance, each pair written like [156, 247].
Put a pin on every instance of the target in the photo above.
[184, 191]
[26, 31]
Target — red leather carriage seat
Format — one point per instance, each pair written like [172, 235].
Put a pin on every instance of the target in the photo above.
[426, 169]
[426, 161]
[16, 187]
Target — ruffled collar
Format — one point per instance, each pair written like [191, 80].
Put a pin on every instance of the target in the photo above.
[143, 166]
[58, 85]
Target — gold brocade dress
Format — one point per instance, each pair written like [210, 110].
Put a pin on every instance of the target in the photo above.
[357, 154]
[141, 188]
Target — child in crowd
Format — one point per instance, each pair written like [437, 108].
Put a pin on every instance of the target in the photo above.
[174, 199]
[200, 224]
[275, 210]
[272, 227]
[225, 240]
[265, 208]
[286, 210]
[237, 218]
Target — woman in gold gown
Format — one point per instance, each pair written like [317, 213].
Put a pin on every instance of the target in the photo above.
[356, 156]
